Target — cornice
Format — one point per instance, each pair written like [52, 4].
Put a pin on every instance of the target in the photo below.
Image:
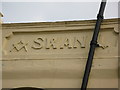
[82, 23]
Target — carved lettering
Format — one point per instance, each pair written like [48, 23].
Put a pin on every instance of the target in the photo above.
[81, 41]
[39, 43]
[50, 43]
[67, 43]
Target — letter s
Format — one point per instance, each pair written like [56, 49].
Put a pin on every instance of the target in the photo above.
[38, 43]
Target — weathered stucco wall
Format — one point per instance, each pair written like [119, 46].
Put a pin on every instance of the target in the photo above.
[53, 54]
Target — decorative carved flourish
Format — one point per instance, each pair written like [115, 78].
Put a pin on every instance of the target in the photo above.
[9, 35]
[116, 29]
[19, 46]
[103, 46]
[101, 42]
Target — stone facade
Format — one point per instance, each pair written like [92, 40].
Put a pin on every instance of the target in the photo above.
[54, 54]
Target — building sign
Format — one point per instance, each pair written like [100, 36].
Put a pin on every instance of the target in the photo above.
[55, 43]
[45, 55]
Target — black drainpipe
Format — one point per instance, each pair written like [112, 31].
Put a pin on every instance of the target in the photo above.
[93, 45]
